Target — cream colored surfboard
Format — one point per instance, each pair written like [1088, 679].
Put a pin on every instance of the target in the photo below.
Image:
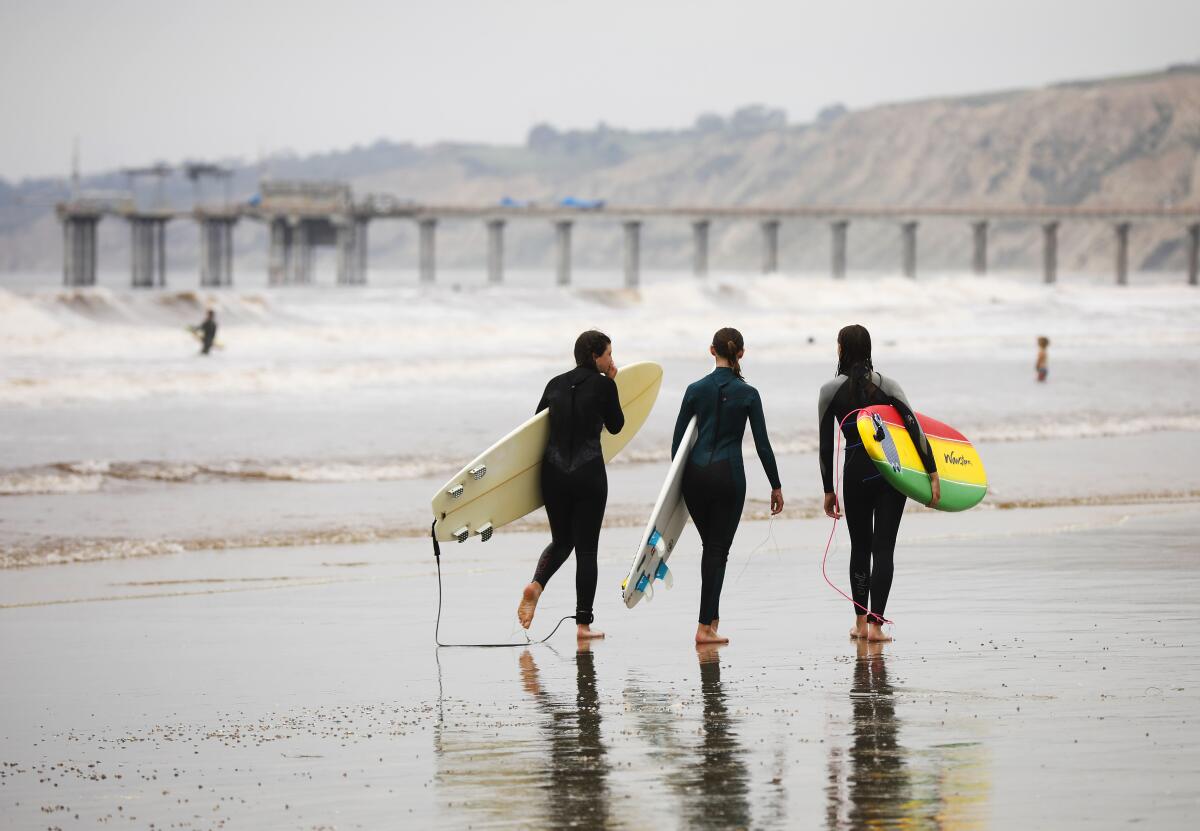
[503, 483]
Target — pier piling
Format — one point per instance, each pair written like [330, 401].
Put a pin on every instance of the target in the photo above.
[216, 250]
[770, 232]
[839, 247]
[700, 247]
[1122, 232]
[148, 248]
[495, 253]
[426, 251]
[979, 232]
[633, 246]
[908, 232]
[562, 239]
[79, 249]
[1193, 255]
[1050, 252]
[351, 241]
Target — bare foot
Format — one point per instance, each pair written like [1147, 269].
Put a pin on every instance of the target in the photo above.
[528, 605]
[715, 624]
[875, 634]
[584, 632]
[707, 634]
[859, 629]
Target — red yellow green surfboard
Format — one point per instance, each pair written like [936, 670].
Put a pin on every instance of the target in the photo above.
[963, 479]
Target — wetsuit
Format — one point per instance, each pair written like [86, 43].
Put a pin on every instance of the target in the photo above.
[714, 480]
[208, 334]
[873, 508]
[574, 482]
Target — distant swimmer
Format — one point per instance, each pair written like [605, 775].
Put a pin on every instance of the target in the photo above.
[206, 332]
[1043, 361]
[574, 481]
[873, 507]
[714, 481]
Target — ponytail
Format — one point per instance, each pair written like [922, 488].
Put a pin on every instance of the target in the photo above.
[728, 344]
[855, 361]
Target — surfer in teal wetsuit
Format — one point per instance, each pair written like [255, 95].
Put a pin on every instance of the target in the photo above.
[574, 481]
[714, 481]
[873, 507]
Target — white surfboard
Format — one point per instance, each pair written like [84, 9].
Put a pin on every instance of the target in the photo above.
[503, 483]
[666, 524]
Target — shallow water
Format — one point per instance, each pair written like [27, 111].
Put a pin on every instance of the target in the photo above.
[334, 413]
[1041, 677]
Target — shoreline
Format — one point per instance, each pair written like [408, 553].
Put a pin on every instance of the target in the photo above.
[1032, 658]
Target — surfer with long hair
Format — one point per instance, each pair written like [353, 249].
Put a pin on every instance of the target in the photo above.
[873, 507]
[574, 481]
[714, 480]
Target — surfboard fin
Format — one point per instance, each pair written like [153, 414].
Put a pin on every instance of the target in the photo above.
[456, 491]
[641, 583]
[485, 531]
[478, 473]
[462, 533]
[666, 575]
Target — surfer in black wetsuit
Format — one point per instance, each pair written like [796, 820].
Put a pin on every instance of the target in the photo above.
[574, 482]
[873, 507]
[714, 481]
[207, 332]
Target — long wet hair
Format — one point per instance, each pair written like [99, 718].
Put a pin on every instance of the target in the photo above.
[855, 360]
[728, 343]
[589, 346]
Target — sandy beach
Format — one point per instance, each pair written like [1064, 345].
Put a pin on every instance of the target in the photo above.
[217, 596]
[1041, 677]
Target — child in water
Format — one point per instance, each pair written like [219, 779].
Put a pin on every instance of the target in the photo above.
[1041, 365]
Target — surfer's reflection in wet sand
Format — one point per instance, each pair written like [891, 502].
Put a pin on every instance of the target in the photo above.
[720, 791]
[876, 789]
[576, 779]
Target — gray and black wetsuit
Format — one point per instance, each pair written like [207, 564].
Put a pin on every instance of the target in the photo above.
[714, 481]
[873, 508]
[574, 481]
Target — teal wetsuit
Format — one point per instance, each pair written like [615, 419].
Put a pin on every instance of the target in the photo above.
[714, 481]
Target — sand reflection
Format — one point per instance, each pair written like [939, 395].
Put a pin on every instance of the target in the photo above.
[575, 778]
[876, 782]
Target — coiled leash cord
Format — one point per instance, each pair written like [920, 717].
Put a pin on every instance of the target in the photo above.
[437, 557]
[837, 490]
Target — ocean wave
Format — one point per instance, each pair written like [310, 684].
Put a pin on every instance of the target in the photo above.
[66, 550]
[89, 476]
[102, 344]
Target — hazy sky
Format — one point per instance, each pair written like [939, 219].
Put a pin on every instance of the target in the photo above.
[140, 81]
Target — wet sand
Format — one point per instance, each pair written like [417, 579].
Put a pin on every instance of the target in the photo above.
[1044, 675]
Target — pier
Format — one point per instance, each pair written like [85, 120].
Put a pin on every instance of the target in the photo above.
[303, 215]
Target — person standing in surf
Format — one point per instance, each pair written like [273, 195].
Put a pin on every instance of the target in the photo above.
[873, 507]
[714, 480]
[574, 481]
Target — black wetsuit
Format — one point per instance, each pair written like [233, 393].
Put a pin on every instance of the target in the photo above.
[208, 333]
[714, 481]
[574, 482]
[873, 508]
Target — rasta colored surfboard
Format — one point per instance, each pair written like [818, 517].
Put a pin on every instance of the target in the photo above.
[666, 523]
[963, 479]
[503, 483]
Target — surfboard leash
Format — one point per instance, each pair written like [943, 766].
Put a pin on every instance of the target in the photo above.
[837, 490]
[437, 557]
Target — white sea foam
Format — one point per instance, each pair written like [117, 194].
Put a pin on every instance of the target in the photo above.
[101, 344]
